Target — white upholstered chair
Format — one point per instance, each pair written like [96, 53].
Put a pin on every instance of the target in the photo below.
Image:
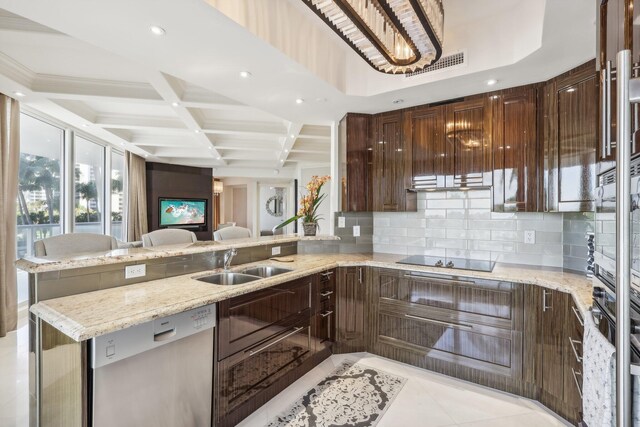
[168, 236]
[74, 244]
[232, 232]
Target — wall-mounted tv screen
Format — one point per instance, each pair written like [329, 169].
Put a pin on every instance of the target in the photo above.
[186, 213]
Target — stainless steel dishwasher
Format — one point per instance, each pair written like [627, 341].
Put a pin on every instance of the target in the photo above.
[159, 373]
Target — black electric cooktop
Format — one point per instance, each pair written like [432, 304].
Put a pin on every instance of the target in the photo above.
[460, 263]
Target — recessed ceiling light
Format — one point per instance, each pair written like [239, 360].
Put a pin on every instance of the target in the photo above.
[245, 74]
[158, 31]
[299, 101]
[398, 101]
[210, 148]
[491, 82]
[281, 160]
[85, 125]
[218, 158]
[122, 143]
[286, 151]
[19, 94]
[293, 136]
[197, 131]
[146, 155]
[175, 104]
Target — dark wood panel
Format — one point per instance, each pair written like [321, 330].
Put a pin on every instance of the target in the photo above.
[425, 129]
[515, 151]
[351, 306]
[553, 317]
[573, 352]
[391, 166]
[251, 318]
[356, 137]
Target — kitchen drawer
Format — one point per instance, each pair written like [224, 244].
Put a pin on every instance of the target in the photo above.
[474, 300]
[325, 328]
[480, 347]
[249, 319]
[327, 280]
[253, 370]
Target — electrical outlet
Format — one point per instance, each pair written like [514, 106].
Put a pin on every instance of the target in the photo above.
[530, 237]
[138, 270]
[275, 250]
[356, 231]
[341, 222]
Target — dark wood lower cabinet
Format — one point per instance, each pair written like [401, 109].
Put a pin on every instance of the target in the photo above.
[352, 306]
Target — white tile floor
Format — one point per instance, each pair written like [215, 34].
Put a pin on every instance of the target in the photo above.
[14, 376]
[427, 399]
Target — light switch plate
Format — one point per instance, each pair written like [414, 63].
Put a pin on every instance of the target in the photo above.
[341, 222]
[356, 231]
[275, 250]
[530, 237]
[132, 271]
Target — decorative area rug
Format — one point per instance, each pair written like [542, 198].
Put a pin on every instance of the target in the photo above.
[353, 395]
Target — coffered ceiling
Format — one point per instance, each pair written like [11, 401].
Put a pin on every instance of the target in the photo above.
[97, 66]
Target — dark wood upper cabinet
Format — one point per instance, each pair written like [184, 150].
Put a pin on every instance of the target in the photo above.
[515, 150]
[424, 127]
[391, 166]
[356, 161]
[468, 139]
[570, 137]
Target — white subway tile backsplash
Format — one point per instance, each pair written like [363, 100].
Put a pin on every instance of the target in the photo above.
[460, 224]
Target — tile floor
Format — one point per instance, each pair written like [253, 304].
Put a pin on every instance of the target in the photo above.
[14, 376]
[427, 399]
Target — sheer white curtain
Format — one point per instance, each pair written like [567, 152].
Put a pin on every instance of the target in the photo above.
[9, 164]
[137, 199]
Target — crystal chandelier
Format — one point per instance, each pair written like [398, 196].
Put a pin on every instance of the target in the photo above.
[393, 36]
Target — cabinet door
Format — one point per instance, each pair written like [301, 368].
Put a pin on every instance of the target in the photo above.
[251, 318]
[356, 152]
[515, 151]
[468, 136]
[245, 374]
[391, 162]
[351, 305]
[570, 140]
[425, 129]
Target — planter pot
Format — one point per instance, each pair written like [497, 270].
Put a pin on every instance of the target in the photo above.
[310, 228]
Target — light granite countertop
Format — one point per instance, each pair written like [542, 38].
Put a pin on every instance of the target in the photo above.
[33, 264]
[91, 314]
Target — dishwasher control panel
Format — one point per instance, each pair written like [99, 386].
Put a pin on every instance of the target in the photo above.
[118, 345]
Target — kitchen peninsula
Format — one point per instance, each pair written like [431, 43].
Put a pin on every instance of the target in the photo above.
[376, 304]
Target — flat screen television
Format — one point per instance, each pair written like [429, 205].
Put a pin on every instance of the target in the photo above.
[182, 213]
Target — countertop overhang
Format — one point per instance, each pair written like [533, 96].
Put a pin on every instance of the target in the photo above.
[85, 316]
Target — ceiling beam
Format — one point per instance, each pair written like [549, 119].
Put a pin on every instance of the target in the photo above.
[293, 130]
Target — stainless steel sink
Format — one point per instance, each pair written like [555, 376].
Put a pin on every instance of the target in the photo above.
[265, 271]
[227, 278]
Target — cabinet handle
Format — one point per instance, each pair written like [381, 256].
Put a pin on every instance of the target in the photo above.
[325, 314]
[577, 316]
[573, 347]
[327, 273]
[443, 279]
[575, 379]
[544, 301]
[608, 109]
[440, 322]
[360, 274]
[325, 293]
[295, 331]
[163, 336]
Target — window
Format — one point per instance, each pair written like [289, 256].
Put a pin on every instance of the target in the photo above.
[39, 183]
[117, 195]
[88, 187]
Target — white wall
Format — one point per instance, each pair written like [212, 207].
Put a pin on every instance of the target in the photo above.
[324, 209]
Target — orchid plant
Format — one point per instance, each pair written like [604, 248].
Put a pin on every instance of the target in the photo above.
[309, 204]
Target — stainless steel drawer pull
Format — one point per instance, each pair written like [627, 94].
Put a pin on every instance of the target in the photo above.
[326, 314]
[163, 336]
[441, 279]
[575, 379]
[295, 331]
[545, 307]
[325, 293]
[327, 274]
[573, 347]
[578, 316]
[440, 322]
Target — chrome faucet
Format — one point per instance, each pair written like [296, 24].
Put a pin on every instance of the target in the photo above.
[228, 256]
